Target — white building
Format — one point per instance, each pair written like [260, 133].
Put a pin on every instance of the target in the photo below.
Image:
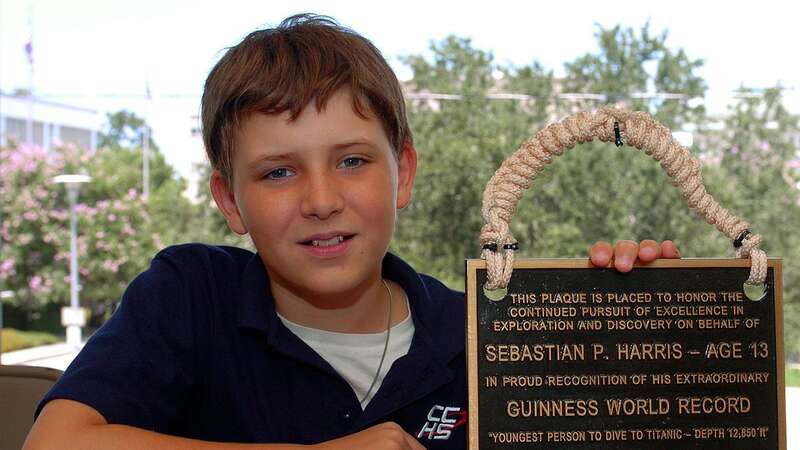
[51, 123]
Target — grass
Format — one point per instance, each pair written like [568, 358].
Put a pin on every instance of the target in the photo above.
[17, 340]
[792, 377]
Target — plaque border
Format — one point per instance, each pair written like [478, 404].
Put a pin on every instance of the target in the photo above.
[471, 344]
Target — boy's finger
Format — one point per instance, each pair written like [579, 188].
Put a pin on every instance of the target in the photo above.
[649, 251]
[625, 253]
[669, 250]
[600, 254]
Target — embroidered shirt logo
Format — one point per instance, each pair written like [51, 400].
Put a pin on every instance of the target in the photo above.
[442, 420]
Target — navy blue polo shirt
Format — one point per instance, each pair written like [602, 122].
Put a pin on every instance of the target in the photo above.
[196, 350]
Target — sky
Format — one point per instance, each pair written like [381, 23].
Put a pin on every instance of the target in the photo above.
[102, 53]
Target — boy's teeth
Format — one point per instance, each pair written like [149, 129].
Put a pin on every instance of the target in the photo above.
[327, 242]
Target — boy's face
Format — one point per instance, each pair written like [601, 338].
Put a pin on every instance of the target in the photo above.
[318, 196]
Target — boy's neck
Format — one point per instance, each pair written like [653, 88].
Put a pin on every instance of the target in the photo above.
[364, 310]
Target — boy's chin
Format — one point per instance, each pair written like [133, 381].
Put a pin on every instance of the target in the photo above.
[327, 286]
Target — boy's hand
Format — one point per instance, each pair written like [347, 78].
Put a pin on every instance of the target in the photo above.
[388, 436]
[625, 253]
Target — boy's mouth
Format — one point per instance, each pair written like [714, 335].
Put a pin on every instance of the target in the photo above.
[327, 241]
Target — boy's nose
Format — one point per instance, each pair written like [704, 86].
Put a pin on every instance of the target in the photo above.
[322, 199]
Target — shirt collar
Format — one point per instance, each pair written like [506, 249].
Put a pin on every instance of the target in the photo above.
[257, 306]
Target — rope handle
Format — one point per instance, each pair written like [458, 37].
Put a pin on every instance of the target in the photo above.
[607, 124]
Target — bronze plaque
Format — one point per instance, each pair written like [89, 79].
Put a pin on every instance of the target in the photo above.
[671, 355]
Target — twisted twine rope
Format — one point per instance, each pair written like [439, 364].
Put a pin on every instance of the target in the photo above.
[639, 130]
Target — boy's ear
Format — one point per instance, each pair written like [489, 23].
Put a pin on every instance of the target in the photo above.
[226, 202]
[406, 173]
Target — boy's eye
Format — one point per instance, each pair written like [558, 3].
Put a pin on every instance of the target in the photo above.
[352, 162]
[279, 173]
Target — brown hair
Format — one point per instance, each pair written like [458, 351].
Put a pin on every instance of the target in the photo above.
[307, 57]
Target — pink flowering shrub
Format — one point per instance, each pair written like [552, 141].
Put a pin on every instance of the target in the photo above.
[33, 223]
[116, 238]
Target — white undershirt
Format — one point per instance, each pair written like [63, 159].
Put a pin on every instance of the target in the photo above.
[356, 356]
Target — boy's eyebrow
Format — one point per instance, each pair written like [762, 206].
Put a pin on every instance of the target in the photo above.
[280, 157]
[287, 155]
[359, 141]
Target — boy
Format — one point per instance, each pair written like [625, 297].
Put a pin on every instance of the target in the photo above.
[321, 338]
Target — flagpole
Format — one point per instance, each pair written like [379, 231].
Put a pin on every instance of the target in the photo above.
[146, 145]
[29, 52]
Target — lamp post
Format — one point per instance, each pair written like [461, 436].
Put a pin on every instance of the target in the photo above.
[73, 317]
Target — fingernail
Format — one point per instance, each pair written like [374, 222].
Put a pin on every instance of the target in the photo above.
[624, 264]
[600, 258]
[648, 253]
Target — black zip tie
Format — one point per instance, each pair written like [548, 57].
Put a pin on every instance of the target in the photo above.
[739, 240]
[493, 246]
[617, 135]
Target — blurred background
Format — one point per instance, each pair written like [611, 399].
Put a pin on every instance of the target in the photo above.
[111, 90]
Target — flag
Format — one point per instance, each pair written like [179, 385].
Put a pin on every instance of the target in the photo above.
[29, 51]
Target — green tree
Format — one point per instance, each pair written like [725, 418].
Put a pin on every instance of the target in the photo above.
[595, 191]
[115, 242]
[460, 144]
[635, 70]
[119, 229]
[126, 130]
[584, 196]
[210, 225]
[755, 156]
[118, 169]
[617, 69]
[117, 173]
[33, 223]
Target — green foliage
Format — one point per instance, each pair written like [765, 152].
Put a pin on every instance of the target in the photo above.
[618, 66]
[119, 230]
[210, 225]
[124, 129]
[460, 144]
[117, 174]
[18, 340]
[610, 193]
[792, 377]
[629, 63]
[34, 223]
[754, 153]
[594, 191]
